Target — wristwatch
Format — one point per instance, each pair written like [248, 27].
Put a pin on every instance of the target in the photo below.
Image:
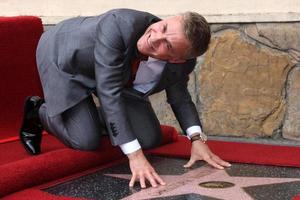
[201, 136]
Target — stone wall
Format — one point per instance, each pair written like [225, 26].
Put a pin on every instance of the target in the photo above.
[248, 82]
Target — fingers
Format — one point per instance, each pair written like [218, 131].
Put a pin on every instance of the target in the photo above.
[132, 181]
[190, 163]
[201, 151]
[157, 177]
[152, 177]
[221, 162]
[142, 182]
[213, 163]
[217, 162]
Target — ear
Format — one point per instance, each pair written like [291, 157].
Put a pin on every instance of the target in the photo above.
[177, 60]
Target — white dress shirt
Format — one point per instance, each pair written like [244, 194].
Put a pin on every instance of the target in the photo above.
[147, 76]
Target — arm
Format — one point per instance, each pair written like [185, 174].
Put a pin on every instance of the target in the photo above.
[182, 105]
[109, 67]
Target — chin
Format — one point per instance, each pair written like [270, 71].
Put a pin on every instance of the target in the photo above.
[143, 50]
[140, 46]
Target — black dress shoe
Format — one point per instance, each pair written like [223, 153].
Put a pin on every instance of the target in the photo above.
[31, 129]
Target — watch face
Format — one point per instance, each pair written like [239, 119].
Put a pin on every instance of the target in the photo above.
[203, 137]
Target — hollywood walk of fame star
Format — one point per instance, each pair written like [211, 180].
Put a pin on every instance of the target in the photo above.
[189, 183]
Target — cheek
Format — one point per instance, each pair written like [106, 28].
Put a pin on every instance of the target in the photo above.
[141, 44]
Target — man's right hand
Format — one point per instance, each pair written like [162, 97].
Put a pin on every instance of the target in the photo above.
[141, 169]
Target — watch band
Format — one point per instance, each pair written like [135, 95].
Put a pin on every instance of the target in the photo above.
[200, 136]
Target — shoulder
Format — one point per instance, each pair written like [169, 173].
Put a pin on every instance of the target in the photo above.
[131, 17]
[127, 23]
[125, 13]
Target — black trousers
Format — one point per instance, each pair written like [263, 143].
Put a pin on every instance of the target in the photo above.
[81, 126]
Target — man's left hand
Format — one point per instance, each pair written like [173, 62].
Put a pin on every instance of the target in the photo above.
[201, 151]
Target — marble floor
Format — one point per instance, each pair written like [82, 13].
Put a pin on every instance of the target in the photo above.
[239, 182]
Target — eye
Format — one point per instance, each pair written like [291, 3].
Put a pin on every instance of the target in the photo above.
[165, 28]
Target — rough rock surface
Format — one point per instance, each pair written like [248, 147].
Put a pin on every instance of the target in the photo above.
[282, 36]
[291, 125]
[241, 87]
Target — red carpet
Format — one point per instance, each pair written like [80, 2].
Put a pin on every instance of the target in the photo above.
[30, 194]
[19, 38]
[18, 170]
[247, 153]
[238, 152]
[52, 165]
[14, 151]
[31, 171]
[296, 198]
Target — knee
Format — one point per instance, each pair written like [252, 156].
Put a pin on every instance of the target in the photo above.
[151, 141]
[88, 144]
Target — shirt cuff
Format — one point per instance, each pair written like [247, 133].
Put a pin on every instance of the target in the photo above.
[130, 147]
[192, 130]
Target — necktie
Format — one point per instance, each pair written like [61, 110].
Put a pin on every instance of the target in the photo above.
[134, 67]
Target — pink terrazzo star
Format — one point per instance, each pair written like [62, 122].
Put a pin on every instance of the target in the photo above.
[189, 183]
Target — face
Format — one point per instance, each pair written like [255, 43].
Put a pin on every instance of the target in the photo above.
[165, 40]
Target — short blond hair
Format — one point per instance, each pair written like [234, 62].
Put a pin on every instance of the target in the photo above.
[197, 31]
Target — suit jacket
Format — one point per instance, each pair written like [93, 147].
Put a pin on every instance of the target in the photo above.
[93, 54]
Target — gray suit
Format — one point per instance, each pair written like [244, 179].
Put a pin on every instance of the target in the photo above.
[87, 55]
